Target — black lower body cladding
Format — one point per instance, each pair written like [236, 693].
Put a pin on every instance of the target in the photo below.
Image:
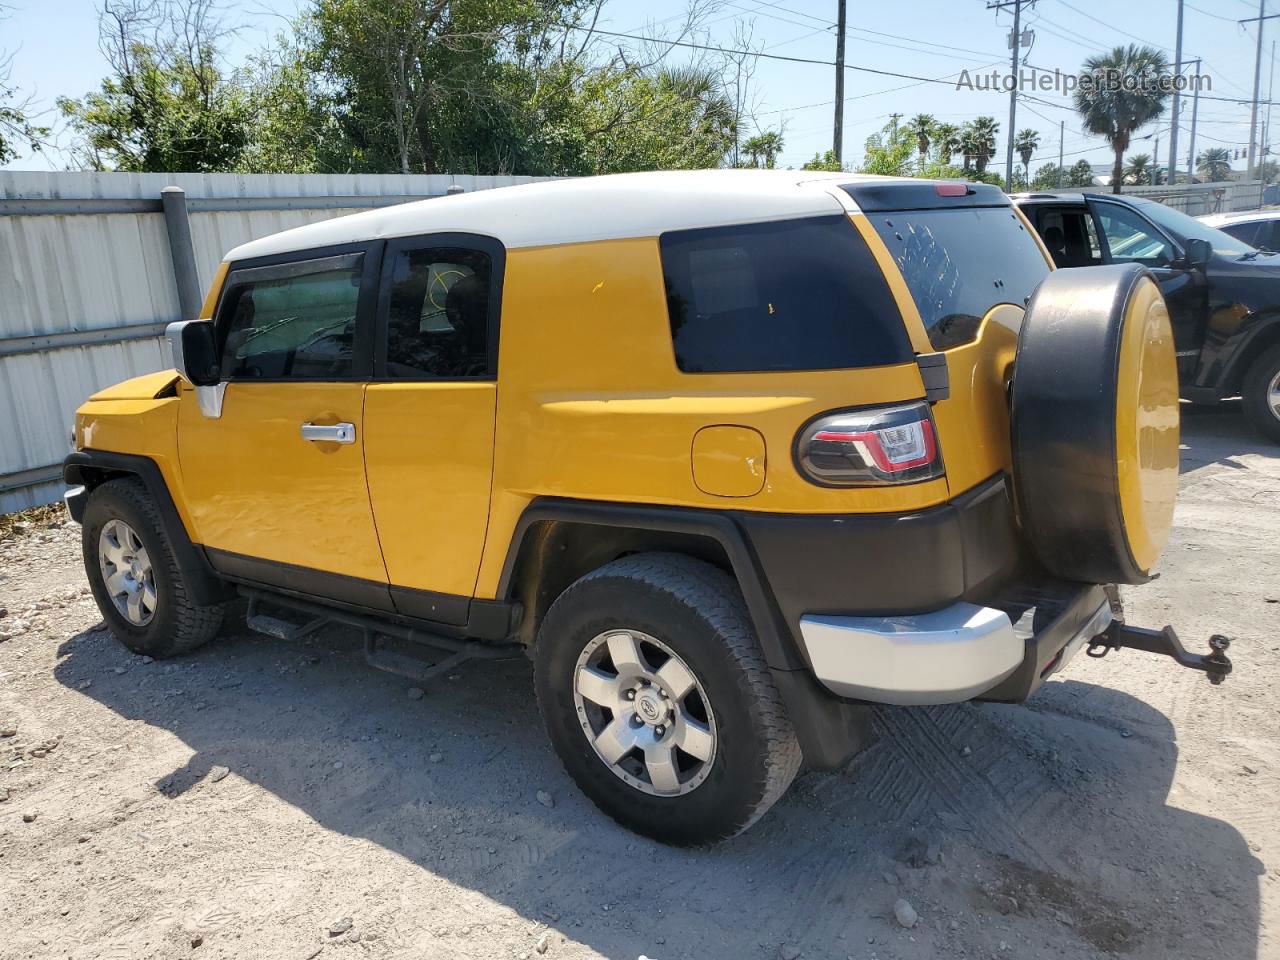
[1093, 424]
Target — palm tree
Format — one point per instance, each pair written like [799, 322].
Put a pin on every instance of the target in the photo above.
[970, 145]
[1214, 164]
[922, 126]
[763, 147]
[1138, 172]
[1117, 114]
[946, 140]
[1026, 143]
[985, 130]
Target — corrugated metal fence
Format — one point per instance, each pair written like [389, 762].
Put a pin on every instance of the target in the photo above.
[88, 282]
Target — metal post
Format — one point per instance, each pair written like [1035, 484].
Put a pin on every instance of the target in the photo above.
[1177, 75]
[837, 146]
[173, 200]
[1257, 82]
[1266, 124]
[1013, 95]
[1195, 109]
[1062, 132]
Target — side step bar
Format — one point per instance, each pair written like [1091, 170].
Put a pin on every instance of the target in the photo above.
[374, 629]
[1166, 643]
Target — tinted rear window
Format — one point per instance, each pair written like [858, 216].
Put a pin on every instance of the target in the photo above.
[960, 263]
[789, 295]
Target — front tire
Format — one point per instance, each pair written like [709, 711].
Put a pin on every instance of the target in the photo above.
[134, 575]
[1261, 391]
[659, 703]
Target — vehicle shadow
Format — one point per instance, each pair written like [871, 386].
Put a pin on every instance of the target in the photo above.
[1219, 434]
[1059, 809]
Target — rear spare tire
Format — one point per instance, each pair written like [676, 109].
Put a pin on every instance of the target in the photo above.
[1094, 420]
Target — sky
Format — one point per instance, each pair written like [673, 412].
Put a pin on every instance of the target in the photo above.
[54, 46]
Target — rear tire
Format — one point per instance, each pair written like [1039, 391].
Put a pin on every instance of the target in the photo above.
[675, 631]
[134, 576]
[1261, 391]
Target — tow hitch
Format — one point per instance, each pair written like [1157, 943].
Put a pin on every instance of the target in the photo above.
[1165, 642]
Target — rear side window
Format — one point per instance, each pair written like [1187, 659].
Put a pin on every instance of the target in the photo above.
[294, 321]
[790, 295]
[959, 263]
[438, 314]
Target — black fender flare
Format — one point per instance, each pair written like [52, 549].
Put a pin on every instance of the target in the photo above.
[830, 730]
[90, 468]
[1255, 335]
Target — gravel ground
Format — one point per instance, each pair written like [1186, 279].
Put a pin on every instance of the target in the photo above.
[270, 800]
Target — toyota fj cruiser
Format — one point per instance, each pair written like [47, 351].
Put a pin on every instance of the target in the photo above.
[731, 455]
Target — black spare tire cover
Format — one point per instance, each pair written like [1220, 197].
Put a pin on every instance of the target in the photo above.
[1094, 418]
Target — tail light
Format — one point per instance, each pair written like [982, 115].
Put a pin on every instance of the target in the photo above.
[867, 448]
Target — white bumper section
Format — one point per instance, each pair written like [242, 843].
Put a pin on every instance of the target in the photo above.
[946, 656]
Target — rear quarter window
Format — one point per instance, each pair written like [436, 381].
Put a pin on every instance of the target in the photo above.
[959, 263]
[802, 294]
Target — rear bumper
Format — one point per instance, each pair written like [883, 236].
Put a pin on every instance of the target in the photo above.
[961, 652]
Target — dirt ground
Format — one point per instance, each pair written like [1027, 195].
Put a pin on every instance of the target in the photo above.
[267, 800]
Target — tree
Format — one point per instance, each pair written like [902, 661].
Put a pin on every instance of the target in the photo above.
[946, 141]
[921, 126]
[1117, 114]
[1047, 177]
[978, 142]
[1214, 165]
[1026, 143]
[1268, 170]
[824, 161]
[16, 123]
[1138, 171]
[763, 148]
[1079, 175]
[166, 105]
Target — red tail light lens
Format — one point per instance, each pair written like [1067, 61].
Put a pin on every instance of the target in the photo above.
[867, 448]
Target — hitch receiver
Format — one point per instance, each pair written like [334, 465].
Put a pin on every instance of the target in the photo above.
[1165, 642]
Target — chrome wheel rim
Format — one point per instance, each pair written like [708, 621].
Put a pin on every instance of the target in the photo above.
[645, 713]
[127, 573]
[1273, 396]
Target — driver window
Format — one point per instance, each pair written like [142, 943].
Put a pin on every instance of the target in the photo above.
[297, 326]
[438, 314]
[1131, 238]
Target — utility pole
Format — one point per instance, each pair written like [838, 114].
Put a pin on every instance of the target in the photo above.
[838, 134]
[1195, 109]
[1015, 40]
[1266, 124]
[1177, 75]
[1257, 82]
[1062, 132]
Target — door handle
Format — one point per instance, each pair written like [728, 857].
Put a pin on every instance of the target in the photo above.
[329, 433]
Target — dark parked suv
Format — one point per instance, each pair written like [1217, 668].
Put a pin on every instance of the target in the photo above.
[1223, 294]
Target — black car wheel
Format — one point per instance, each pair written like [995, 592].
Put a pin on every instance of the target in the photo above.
[135, 578]
[1261, 390]
[658, 700]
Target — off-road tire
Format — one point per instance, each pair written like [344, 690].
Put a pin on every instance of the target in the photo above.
[178, 625]
[698, 611]
[1254, 389]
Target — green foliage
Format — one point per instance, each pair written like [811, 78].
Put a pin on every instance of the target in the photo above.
[1214, 164]
[762, 150]
[824, 161]
[1046, 177]
[1079, 175]
[1268, 170]
[888, 152]
[946, 141]
[1138, 170]
[16, 125]
[465, 86]
[1117, 114]
[1024, 144]
[977, 142]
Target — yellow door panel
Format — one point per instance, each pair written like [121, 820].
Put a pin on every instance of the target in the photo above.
[255, 487]
[429, 449]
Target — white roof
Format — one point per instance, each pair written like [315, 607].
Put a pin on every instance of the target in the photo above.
[587, 208]
[1245, 216]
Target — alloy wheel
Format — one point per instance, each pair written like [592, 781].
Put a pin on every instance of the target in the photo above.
[127, 573]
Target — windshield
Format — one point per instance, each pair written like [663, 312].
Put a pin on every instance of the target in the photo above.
[959, 263]
[1184, 228]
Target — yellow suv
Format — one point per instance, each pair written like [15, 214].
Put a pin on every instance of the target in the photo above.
[732, 455]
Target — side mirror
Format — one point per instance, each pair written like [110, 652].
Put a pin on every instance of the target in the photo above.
[195, 355]
[1198, 252]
